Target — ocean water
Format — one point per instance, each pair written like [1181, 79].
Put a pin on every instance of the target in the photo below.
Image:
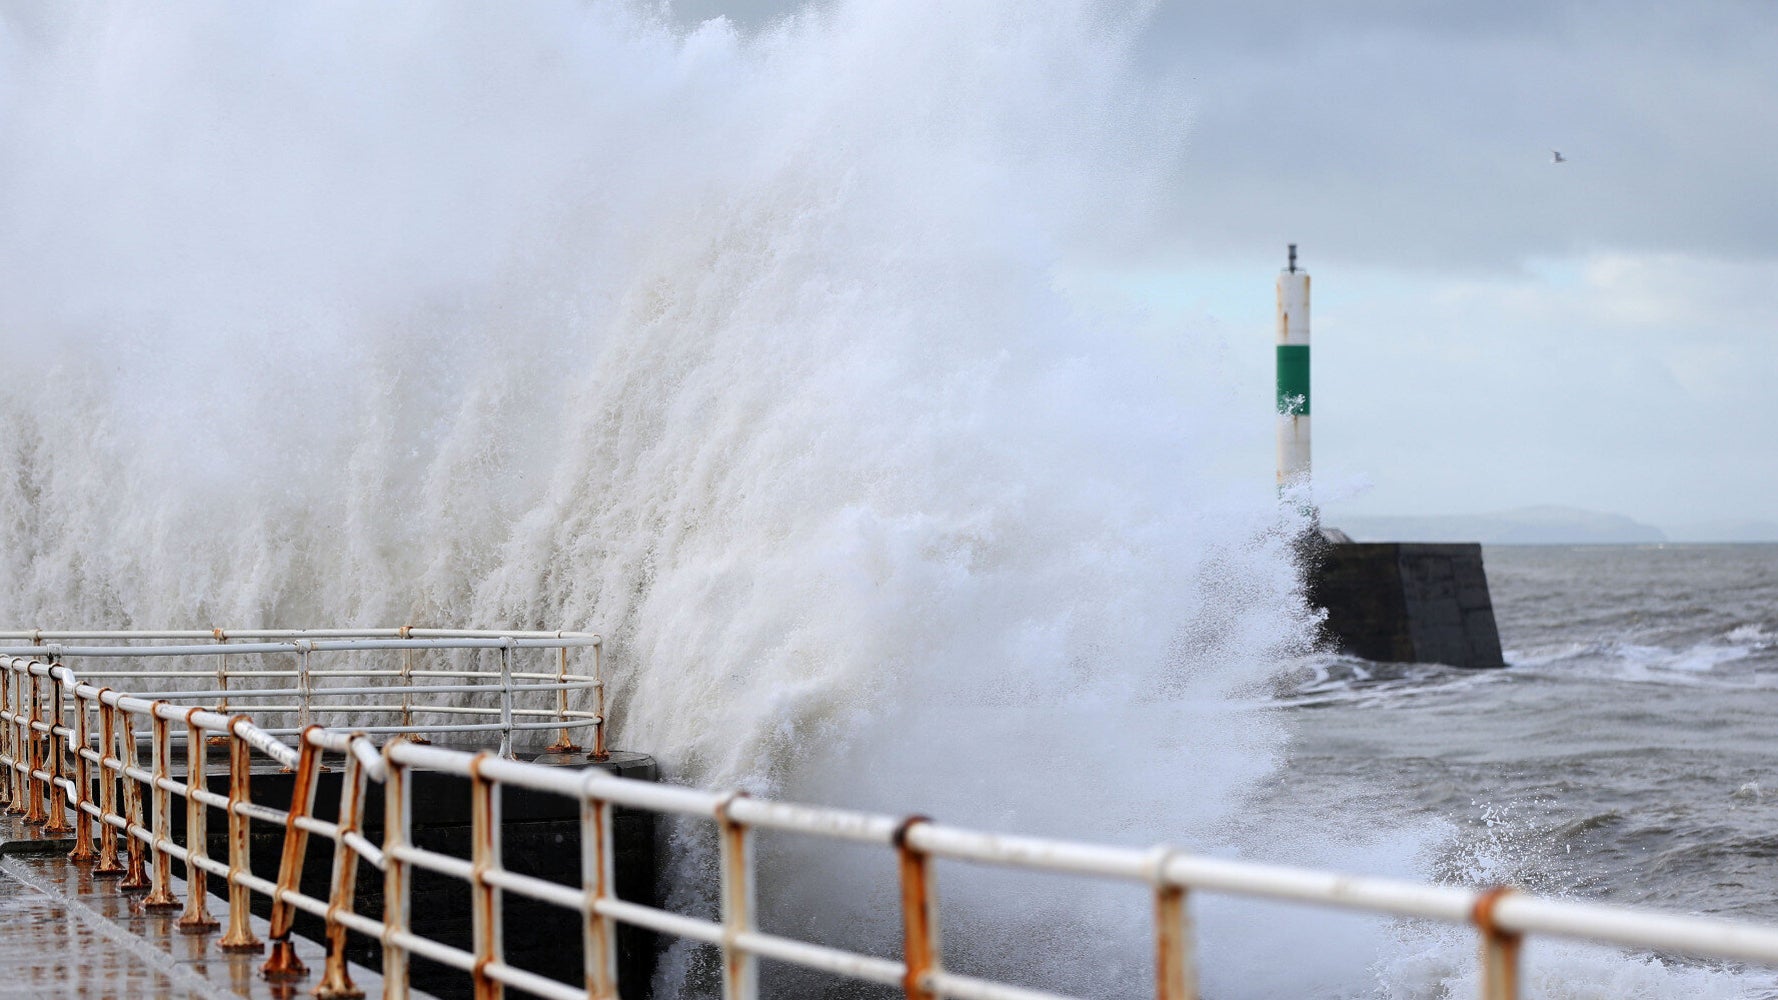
[754, 352]
[1625, 754]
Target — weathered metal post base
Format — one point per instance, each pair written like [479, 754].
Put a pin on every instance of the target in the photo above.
[342, 989]
[282, 965]
[135, 879]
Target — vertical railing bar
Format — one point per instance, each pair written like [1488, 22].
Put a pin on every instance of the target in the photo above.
[221, 671]
[1499, 948]
[919, 914]
[83, 852]
[21, 742]
[564, 740]
[397, 879]
[597, 878]
[16, 752]
[53, 742]
[740, 970]
[407, 688]
[506, 699]
[336, 980]
[485, 896]
[1175, 963]
[136, 879]
[282, 963]
[240, 936]
[34, 814]
[407, 683]
[196, 919]
[10, 759]
[304, 685]
[599, 752]
[21, 749]
[109, 866]
[160, 893]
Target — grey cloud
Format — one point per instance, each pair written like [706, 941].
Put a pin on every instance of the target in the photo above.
[1405, 140]
[1408, 134]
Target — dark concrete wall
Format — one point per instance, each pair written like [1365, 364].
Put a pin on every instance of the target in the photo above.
[1405, 602]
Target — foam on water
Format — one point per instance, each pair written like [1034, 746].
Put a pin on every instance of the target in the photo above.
[1731, 658]
[747, 351]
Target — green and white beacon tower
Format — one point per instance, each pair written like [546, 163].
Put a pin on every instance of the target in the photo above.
[1293, 377]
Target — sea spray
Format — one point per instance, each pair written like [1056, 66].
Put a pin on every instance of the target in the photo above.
[749, 351]
[568, 316]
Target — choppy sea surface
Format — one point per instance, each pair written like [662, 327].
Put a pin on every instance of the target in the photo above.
[1629, 752]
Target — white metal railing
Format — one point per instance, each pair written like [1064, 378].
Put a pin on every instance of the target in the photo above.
[36, 737]
[301, 693]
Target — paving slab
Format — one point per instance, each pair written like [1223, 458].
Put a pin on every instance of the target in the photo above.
[64, 933]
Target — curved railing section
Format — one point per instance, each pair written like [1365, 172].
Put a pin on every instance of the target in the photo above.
[283, 676]
[60, 735]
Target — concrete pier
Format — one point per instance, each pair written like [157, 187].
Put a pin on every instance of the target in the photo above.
[1403, 602]
[69, 935]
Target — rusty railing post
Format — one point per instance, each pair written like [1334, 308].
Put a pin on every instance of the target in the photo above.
[18, 735]
[1500, 949]
[240, 937]
[407, 694]
[108, 866]
[599, 752]
[407, 680]
[34, 801]
[599, 881]
[7, 759]
[305, 685]
[221, 637]
[919, 914]
[18, 744]
[506, 699]
[196, 919]
[160, 892]
[336, 979]
[565, 740]
[83, 852]
[740, 970]
[53, 743]
[484, 895]
[136, 878]
[282, 963]
[221, 670]
[1175, 959]
[397, 880]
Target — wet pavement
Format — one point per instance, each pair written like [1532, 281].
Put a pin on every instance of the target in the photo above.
[65, 934]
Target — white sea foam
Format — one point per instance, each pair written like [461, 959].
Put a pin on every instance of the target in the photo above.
[1651, 663]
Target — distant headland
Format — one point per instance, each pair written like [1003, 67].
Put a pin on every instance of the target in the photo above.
[1544, 525]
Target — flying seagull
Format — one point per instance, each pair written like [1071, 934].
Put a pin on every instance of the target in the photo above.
[1557, 157]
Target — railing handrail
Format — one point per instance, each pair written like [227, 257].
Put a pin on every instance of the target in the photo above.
[1500, 916]
[226, 634]
[225, 644]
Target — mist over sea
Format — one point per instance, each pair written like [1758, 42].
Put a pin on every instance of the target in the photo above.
[750, 352]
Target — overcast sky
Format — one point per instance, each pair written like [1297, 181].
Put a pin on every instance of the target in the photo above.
[1491, 330]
